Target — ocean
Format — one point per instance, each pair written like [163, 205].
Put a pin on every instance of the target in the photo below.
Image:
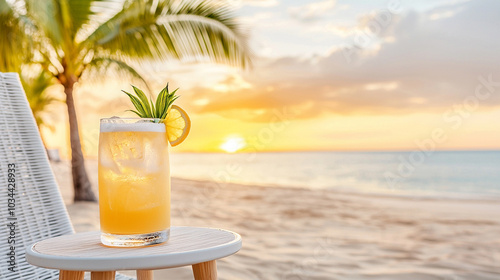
[456, 174]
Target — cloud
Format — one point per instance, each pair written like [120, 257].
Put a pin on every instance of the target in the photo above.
[445, 12]
[429, 65]
[311, 11]
[256, 3]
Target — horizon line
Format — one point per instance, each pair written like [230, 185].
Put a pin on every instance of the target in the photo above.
[317, 151]
[333, 150]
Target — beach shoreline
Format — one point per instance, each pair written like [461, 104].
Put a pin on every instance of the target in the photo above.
[293, 233]
[474, 198]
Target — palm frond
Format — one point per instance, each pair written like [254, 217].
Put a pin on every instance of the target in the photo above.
[15, 45]
[80, 12]
[39, 100]
[173, 29]
[84, 14]
[5, 8]
[99, 66]
[49, 20]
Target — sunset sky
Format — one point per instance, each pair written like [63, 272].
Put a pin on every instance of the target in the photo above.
[331, 75]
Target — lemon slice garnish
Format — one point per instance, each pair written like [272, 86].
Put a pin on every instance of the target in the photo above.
[177, 124]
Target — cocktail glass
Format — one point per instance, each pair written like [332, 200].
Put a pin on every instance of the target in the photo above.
[134, 182]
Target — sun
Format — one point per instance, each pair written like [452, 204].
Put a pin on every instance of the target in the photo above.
[233, 144]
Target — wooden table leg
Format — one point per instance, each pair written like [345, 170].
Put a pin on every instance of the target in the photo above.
[205, 271]
[71, 275]
[102, 275]
[144, 275]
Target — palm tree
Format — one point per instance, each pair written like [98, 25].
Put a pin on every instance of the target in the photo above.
[71, 37]
[38, 97]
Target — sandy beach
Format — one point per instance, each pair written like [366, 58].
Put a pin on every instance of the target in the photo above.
[303, 234]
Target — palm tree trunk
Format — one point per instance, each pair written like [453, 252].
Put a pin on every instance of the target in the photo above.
[43, 140]
[81, 183]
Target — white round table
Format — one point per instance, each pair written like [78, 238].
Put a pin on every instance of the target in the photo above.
[77, 253]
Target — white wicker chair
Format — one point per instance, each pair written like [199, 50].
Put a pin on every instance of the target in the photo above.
[39, 212]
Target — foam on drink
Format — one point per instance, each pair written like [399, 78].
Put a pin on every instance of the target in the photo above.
[139, 126]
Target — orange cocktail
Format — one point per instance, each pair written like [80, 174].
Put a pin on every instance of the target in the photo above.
[134, 182]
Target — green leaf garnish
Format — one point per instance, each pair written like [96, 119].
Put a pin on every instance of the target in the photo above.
[145, 108]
